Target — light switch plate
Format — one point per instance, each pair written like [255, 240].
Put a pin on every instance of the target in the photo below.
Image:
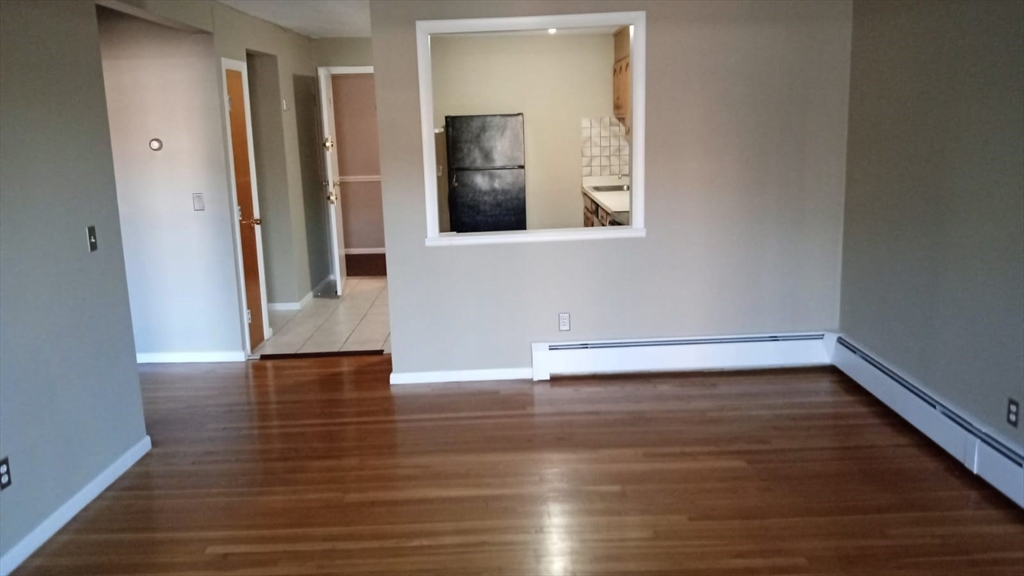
[198, 204]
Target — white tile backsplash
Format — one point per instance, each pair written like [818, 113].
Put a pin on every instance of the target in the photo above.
[604, 147]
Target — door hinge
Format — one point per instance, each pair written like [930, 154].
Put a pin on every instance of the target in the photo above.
[248, 316]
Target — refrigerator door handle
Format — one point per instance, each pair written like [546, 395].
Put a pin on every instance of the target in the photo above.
[455, 179]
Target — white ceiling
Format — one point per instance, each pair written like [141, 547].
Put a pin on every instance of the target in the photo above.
[313, 18]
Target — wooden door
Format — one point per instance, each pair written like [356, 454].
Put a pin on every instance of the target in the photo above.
[248, 219]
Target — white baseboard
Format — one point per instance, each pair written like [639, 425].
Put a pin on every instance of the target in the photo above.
[978, 448]
[189, 357]
[681, 354]
[54, 522]
[461, 375]
[364, 251]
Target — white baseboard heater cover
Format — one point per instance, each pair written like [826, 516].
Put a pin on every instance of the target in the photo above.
[681, 354]
[968, 442]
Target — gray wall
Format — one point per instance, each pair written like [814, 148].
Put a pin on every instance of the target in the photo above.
[746, 145]
[342, 51]
[311, 159]
[933, 264]
[69, 390]
[272, 178]
[182, 280]
[235, 33]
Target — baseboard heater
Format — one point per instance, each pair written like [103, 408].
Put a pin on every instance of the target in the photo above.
[681, 354]
[982, 453]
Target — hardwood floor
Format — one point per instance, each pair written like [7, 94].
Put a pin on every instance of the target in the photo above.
[317, 466]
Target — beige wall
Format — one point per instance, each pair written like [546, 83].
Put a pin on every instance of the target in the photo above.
[70, 403]
[362, 214]
[234, 33]
[746, 146]
[555, 81]
[288, 252]
[282, 200]
[162, 83]
[355, 121]
[933, 265]
[342, 51]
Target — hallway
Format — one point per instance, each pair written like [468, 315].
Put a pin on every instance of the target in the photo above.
[358, 321]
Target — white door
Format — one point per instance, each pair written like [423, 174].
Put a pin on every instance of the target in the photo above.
[332, 187]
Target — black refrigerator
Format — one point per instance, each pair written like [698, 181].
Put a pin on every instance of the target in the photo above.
[486, 172]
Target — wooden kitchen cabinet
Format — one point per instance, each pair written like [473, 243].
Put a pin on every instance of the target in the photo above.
[621, 81]
[620, 89]
[596, 215]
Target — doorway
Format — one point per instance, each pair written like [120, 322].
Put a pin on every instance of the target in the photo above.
[248, 222]
[349, 104]
[350, 315]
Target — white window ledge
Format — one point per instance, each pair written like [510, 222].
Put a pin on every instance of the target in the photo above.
[521, 236]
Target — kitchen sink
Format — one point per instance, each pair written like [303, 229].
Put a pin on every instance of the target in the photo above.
[612, 188]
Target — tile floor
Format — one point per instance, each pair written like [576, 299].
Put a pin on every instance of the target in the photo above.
[356, 321]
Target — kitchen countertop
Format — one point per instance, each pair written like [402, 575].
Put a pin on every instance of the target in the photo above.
[616, 201]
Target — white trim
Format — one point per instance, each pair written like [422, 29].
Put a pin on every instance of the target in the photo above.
[366, 178]
[365, 251]
[332, 70]
[190, 357]
[551, 235]
[680, 354]
[935, 422]
[461, 375]
[638, 60]
[54, 522]
[240, 66]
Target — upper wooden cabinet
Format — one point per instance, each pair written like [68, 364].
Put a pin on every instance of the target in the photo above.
[621, 74]
[620, 89]
[622, 43]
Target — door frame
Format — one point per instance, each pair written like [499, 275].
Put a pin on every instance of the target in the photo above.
[338, 251]
[240, 66]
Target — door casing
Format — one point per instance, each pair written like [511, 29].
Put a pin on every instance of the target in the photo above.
[240, 66]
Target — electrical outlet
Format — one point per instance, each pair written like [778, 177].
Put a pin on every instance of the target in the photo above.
[563, 322]
[5, 473]
[1013, 412]
[91, 234]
